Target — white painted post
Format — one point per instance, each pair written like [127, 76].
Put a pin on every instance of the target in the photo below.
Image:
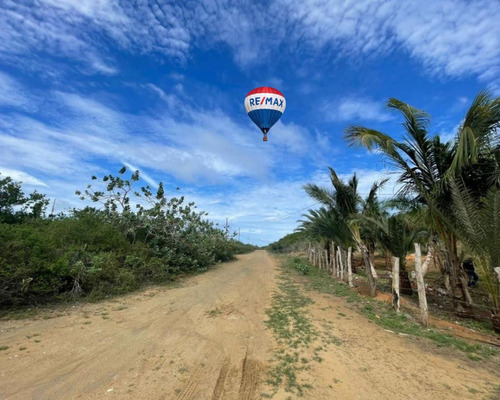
[422, 299]
[349, 266]
[395, 284]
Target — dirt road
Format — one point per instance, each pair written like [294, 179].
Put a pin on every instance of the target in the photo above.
[207, 340]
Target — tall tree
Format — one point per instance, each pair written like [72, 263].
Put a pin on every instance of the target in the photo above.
[341, 204]
[427, 166]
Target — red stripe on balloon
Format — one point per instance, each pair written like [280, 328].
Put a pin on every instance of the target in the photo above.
[265, 89]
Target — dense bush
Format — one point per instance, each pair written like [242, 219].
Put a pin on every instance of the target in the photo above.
[297, 241]
[96, 253]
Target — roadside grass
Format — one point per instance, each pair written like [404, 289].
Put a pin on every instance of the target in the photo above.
[383, 315]
[294, 332]
[299, 341]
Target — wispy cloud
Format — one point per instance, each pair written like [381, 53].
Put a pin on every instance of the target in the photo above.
[449, 38]
[351, 109]
[21, 176]
[14, 95]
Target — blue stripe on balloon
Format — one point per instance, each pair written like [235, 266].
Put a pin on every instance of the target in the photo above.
[265, 118]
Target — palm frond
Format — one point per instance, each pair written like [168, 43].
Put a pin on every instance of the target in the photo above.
[323, 195]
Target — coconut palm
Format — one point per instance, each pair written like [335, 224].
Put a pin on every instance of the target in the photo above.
[341, 204]
[397, 235]
[427, 166]
[478, 226]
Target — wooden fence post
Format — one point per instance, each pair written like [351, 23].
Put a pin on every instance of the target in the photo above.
[334, 259]
[349, 266]
[395, 284]
[422, 299]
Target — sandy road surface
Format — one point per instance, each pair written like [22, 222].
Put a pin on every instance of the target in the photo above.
[207, 340]
[373, 363]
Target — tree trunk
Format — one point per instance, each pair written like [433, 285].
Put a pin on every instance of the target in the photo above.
[368, 269]
[460, 293]
[349, 266]
[341, 263]
[422, 298]
[395, 284]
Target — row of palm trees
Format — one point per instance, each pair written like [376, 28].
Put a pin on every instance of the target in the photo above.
[449, 198]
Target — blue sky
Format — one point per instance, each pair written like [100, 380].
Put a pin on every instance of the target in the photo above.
[90, 85]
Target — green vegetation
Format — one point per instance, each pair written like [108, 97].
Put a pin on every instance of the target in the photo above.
[95, 253]
[449, 198]
[296, 241]
[382, 314]
[301, 266]
[295, 334]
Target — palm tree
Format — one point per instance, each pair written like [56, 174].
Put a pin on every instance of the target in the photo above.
[427, 167]
[340, 205]
[478, 226]
[397, 235]
[422, 162]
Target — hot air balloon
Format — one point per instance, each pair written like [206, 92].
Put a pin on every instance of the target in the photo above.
[265, 106]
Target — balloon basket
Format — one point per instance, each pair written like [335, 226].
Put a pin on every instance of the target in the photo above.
[264, 139]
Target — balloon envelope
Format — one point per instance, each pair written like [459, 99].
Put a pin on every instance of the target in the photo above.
[265, 106]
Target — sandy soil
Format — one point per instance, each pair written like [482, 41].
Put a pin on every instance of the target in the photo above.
[374, 363]
[207, 340]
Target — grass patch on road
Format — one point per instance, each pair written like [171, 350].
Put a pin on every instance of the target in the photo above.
[294, 332]
[299, 341]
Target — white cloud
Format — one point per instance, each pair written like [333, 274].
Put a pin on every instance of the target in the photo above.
[223, 166]
[45, 29]
[12, 94]
[21, 176]
[366, 178]
[349, 109]
[449, 38]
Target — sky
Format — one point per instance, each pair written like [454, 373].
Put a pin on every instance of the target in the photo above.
[89, 86]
